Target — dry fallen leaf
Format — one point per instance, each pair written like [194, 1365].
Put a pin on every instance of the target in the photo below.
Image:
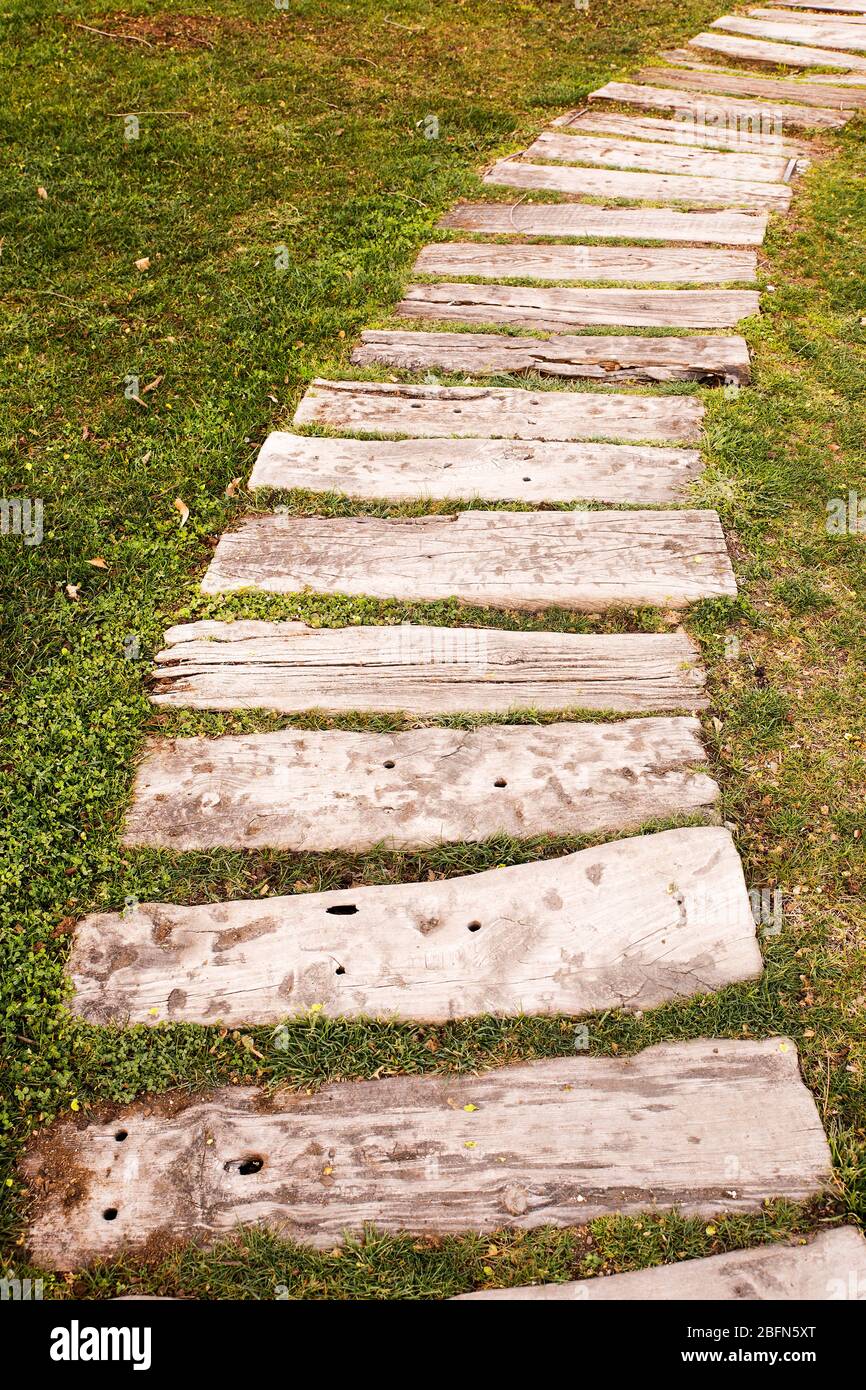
[143, 263]
[42, 193]
[180, 506]
[232, 489]
[152, 385]
[98, 563]
[72, 591]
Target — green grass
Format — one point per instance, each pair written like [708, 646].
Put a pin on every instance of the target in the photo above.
[289, 137]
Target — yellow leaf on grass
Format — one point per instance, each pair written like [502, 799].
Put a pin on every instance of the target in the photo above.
[98, 563]
[143, 263]
[180, 506]
[232, 489]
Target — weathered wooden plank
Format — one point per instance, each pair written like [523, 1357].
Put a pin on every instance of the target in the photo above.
[581, 220]
[687, 131]
[831, 1266]
[836, 6]
[530, 560]
[684, 98]
[642, 264]
[782, 14]
[657, 157]
[608, 358]
[627, 925]
[485, 469]
[422, 671]
[312, 790]
[799, 30]
[622, 183]
[792, 55]
[554, 1142]
[519, 306]
[817, 91]
[378, 407]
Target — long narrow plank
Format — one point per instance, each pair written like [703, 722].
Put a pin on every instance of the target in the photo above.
[832, 1266]
[682, 98]
[834, 6]
[641, 264]
[684, 132]
[554, 1142]
[608, 358]
[423, 671]
[530, 560]
[797, 31]
[482, 469]
[792, 55]
[627, 925]
[378, 407]
[579, 220]
[519, 306]
[622, 183]
[302, 791]
[818, 91]
[828, 21]
[658, 157]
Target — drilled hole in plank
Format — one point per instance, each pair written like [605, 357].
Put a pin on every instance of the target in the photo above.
[110, 1214]
[474, 926]
[342, 910]
[121, 1135]
[500, 782]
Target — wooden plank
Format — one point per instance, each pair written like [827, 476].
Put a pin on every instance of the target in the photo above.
[553, 1142]
[683, 98]
[642, 264]
[312, 790]
[792, 55]
[582, 220]
[519, 306]
[782, 14]
[660, 157]
[702, 77]
[686, 131]
[835, 6]
[423, 671]
[529, 560]
[799, 30]
[608, 358]
[831, 1266]
[622, 183]
[380, 407]
[625, 926]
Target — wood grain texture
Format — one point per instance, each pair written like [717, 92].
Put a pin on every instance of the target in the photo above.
[647, 264]
[658, 157]
[830, 1266]
[712, 360]
[625, 926]
[555, 1143]
[792, 55]
[656, 188]
[376, 407]
[817, 91]
[423, 671]
[313, 790]
[797, 31]
[520, 306]
[686, 132]
[484, 469]
[581, 220]
[529, 560]
[679, 95]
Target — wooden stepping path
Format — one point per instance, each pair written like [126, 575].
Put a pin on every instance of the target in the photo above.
[683, 133]
[800, 30]
[679, 96]
[711, 360]
[626, 925]
[377, 407]
[554, 1143]
[585, 561]
[489, 470]
[647, 264]
[584, 220]
[309, 790]
[831, 1266]
[793, 55]
[658, 157]
[656, 188]
[553, 309]
[420, 670]
[715, 80]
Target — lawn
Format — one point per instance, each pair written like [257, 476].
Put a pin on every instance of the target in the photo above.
[274, 190]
